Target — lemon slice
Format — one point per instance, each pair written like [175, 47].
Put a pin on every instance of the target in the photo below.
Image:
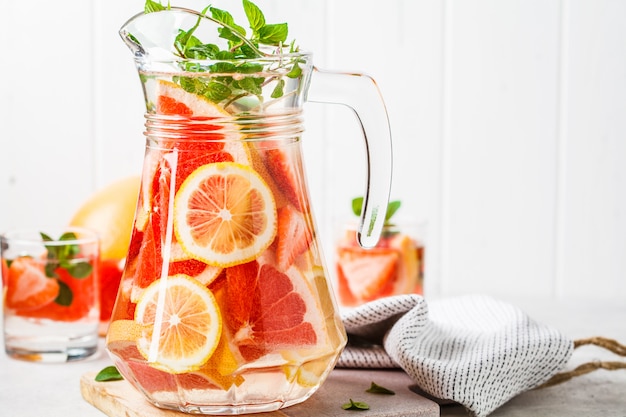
[224, 214]
[181, 324]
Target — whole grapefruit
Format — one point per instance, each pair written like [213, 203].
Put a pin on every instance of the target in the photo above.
[110, 211]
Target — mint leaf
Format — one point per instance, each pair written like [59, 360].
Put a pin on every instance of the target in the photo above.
[252, 85]
[278, 90]
[377, 389]
[227, 19]
[202, 51]
[249, 68]
[80, 270]
[153, 6]
[255, 16]
[217, 92]
[53, 250]
[355, 405]
[392, 207]
[110, 373]
[185, 41]
[295, 72]
[50, 270]
[357, 205]
[273, 34]
[68, 251]
[223, 68]
[65, 296]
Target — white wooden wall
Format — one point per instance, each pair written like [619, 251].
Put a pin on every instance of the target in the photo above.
[509, 123]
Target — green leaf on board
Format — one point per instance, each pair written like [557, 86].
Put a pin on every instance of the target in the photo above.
[110, 373]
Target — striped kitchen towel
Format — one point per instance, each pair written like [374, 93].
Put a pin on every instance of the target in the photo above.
[473, 350]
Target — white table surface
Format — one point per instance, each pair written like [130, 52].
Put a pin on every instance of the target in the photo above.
[52, 390]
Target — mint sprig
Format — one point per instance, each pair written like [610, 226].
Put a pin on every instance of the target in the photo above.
[63, 256]
[245, 80]
[392, 207]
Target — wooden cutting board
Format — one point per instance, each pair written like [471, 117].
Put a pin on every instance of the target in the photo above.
[120, 399]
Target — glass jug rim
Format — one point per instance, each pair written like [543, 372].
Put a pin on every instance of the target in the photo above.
[264, 51]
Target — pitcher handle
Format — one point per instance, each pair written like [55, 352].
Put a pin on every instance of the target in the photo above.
[360, 93]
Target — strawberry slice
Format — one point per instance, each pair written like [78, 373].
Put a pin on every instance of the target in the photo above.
[281, 164]
[367, 273]
[293, 236]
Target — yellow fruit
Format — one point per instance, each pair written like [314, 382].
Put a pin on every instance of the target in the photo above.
[408, 264]
[220, 368]
[110, 212]
[310, 373]
[181, 324]
[123, 330]
[309, 366]
[224, 214]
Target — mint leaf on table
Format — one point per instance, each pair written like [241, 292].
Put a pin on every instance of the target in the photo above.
[378, 389]
[110, 373]
[355, 405]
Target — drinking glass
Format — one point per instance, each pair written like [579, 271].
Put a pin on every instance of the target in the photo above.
[51, 300]
[394, 266]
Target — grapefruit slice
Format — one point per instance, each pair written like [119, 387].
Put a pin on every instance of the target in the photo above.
[267, 311]
[224, 214]
[293, 236]
[203, 273]
[174, 100]
[181, 324]
[205, 135]
[285, 168]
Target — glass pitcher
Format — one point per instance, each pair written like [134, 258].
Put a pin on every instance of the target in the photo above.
[225, 306]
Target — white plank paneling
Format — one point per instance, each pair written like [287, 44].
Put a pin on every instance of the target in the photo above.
[593, 261]
[400, 45]
[500, 159]
[118, 98]
[47, 125]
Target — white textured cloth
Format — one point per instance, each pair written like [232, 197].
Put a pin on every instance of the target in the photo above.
[474, 350]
